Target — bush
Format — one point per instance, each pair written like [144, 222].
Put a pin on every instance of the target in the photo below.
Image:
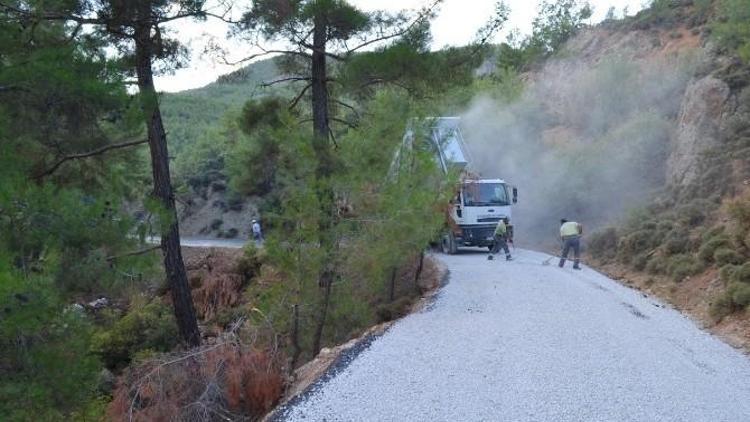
[726, 273]
[714, 232]
[216, 223]
[635, 243]
[150, 328]
[676, 243]
[724, 256]
[721, 306]
[603, 244]
[394, 310]
[231, 380]
[682, 266]
[740, 294]
[742, 274]
[657, 264]
[640, 262]
[707, 250]
[251, 261]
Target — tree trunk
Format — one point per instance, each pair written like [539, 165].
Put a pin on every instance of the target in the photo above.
[170, 236]
[392, 286]
[319, 82]
[418, 274]
[296, 349]
[322, 319]
[324, 170]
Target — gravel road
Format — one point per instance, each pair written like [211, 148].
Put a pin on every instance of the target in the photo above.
[520, 341]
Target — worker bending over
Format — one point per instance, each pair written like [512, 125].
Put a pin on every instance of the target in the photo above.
[570, 234]
[501, 239]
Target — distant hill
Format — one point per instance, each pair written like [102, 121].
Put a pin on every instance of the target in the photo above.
[188, 114]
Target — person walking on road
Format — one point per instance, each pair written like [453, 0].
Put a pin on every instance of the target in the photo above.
[501, 239]
[570, 234]
[257, 232]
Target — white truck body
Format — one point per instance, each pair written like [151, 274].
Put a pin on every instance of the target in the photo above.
[479, 203]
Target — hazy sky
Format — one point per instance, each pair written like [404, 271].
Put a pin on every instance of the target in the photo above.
[456, 24]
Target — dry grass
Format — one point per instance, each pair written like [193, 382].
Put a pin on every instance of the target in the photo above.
[225, 381]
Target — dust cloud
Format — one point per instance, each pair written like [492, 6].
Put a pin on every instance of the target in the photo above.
[586, 142]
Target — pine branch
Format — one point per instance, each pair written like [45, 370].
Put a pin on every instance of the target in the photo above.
[289, 79]
[299, 96]
[92, 153]
[419, 19]
[134, 253]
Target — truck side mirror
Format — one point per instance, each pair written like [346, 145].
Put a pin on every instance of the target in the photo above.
[515, 195]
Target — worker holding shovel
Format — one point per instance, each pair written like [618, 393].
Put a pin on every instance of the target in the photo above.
[501, 239]
[570, 234]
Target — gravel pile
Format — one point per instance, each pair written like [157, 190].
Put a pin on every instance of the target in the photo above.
[518, 341]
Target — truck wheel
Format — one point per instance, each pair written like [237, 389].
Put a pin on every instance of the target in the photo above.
[448, 244]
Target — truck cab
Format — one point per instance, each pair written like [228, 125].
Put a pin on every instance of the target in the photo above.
[475, 211]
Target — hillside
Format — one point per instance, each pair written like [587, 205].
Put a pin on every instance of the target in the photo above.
[196, 120]
[189, 114]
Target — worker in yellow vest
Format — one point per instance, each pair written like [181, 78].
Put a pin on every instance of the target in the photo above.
[502, 236]
[570, 234]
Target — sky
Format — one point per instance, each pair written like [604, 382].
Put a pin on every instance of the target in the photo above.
[456, 24]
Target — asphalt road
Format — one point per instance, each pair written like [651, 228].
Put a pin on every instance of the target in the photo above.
[520, 341]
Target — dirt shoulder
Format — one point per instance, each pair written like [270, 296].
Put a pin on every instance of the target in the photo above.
[693, 297]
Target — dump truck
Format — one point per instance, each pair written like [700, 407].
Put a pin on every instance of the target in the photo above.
[478, 203]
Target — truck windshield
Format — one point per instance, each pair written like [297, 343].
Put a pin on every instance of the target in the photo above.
[485, 195]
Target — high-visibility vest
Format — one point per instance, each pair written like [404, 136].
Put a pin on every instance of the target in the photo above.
[501, 229]
[571, 228]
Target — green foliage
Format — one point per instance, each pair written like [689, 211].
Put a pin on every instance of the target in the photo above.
[682, 266]
[709, 247]
[144, 329]
[47, 370]
[732, 30]
[556, 22]
[723, 256]
[603, 244]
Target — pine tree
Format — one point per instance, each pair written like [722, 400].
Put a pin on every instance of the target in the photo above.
[135, 27]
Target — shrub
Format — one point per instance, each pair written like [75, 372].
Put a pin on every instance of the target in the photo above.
[740, 293]
[251, 261]
[742, 274]
[726, 273]
[714, 232]
[231, 379]
[724, 256]
[707, 250]
[603, 244]
[635, 243]
[657, 264]
[216, 223]
[676, 243]
[640, 261]
[394, 310]
[682, 266]
[740, 211]
[151, 327]
[721, 306]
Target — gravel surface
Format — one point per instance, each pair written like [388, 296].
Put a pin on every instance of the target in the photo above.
[519, 341]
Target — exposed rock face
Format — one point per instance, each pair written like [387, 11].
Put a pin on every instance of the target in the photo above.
[704, 107]
[215, 215]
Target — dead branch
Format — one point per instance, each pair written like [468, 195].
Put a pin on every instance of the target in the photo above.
[299, 96]
[95, 152]
[133, 253]
[282, 80]
[420, 18]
